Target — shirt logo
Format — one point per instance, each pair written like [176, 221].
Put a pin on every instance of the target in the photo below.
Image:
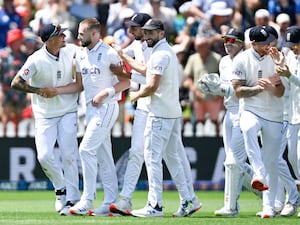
[91, 71]
[26, 71]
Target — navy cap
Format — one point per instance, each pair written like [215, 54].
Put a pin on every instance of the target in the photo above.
[261, 35]
[292, 36]
[153, 24]
[235, 33]
[50, 30]
[138, 20]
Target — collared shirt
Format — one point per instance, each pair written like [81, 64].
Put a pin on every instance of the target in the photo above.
[163, 62]
[94, 66]
[250, 66]
[44, 70]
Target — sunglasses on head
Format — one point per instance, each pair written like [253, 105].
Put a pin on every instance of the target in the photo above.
[56, 31]
[231, 40]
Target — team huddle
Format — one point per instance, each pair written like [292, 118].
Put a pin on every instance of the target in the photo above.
[255, 84]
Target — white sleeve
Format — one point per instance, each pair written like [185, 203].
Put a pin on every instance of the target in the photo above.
[294, 79]
[138, 78]
[28, 69]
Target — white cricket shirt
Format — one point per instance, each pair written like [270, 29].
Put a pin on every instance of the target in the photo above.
[250, 66]
[42, 69]
[94, 68]
[165, 101]
[140, 51]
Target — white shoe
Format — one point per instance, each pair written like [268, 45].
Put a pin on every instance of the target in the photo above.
[82, 207]
[102, 210]
[289, 209]
[197, 205]
[123, 207]
[226, 212]
[148, 211]
[65, 210]
[60, 200]
[187, 209]
[267, 213]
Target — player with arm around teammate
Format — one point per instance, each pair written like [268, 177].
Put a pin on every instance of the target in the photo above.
[141, 53]
[55, 111]
[163, 121]
[102, 92]
[260, 90]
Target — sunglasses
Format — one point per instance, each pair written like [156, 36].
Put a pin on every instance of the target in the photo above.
[232, 40]
[295, 47]
[56, 31]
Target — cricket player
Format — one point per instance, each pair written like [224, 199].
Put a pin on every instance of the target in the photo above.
[141, 52]
[55, 111]
[163, 127]
[260, 90]
[289, 68]
[102, 92]
[236, 169]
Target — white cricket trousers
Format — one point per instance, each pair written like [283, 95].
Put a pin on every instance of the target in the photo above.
[286, 183]
[95, 148]
[294, 148]
[263, 161]
[63, 174]
[161, 140]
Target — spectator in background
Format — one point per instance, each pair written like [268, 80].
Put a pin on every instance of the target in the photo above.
[202, 62]
[9, 19]
[283, 21]
[121, 36]
[246, 10]
[157, 10]
[218, 24]
[113, 20]
[54, 11]
[262, 18]
[290, 7]
[12, 58]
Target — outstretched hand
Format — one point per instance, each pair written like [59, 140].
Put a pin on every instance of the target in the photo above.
[277, 56]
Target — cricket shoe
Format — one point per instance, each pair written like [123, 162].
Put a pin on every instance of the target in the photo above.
[65, 211]
[187, 209]
[226, 212]
[259, 185]
[148, 211]
[82, 207]
[60, 200]
[102, 210]
[267, 214]
[290, 209]
[123, 207]
[277, 212]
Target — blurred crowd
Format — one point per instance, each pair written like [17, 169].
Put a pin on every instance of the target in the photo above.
[193, 27]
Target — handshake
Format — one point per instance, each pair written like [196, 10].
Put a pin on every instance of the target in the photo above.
[211, 84]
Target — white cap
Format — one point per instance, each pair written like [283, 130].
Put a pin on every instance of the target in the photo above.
[126, 13]
[283, 18]
[261, 13]
[220, 9]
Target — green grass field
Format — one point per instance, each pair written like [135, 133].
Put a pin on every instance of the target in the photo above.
[37, 207]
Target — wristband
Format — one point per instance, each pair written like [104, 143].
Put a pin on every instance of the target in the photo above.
[110, 91]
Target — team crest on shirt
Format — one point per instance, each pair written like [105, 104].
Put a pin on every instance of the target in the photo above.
[26, 71]
[99, 57]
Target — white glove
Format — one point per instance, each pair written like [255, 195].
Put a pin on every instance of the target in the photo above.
[210, 83]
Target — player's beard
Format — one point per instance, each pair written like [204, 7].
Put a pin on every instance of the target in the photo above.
[151, 42]
[86, 43]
